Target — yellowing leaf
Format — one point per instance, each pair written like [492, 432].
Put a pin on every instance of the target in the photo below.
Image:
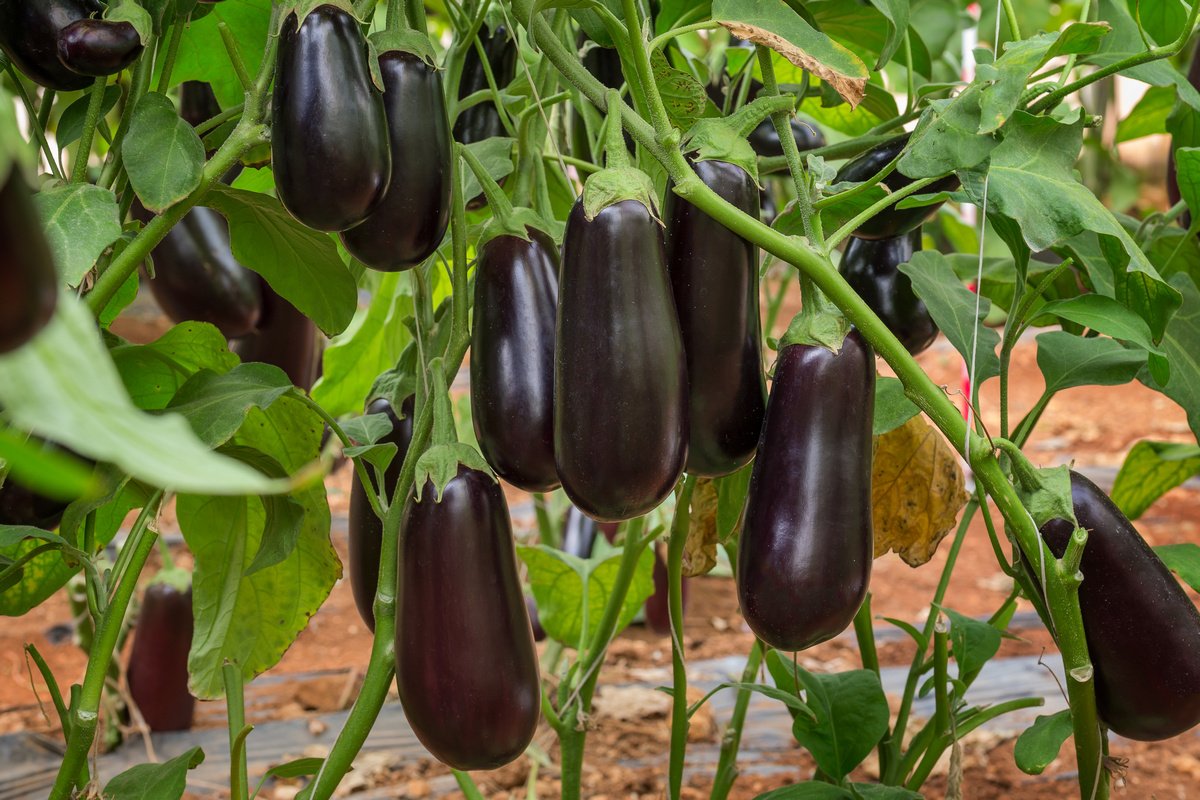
[917, 490]
[700, 549]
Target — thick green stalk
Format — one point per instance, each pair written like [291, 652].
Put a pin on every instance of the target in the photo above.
[679, 706]
[90, 120]
[85, 708]
[235, 712]
[35, 116]
[645, 74]
[164, 77]
[783, 129]
[731, 741]
[467, 784]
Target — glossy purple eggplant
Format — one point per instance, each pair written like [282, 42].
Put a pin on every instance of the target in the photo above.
[410, 222]
[466, 667]
[197, 102]
[366, 529]
[482, 120]
[22, 506]
[29, 37]
[871, 266]
[620, 378]
[158, 660]
[539, 633]
[512, 359]
[285, 338]
[658, 609]
[578, 533]
[28, 280]
[714, 278]
[804, 560]
[329, 134]
[98, 47]
[1143, 631]
[765, 140]
[891, 221]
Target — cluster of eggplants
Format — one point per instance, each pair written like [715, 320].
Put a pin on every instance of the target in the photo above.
[804, 559]
[61, 45]
[28, 281]
[1143, 631]
[158, 660]
[891, 221]
[365, 528]
[482, 120]
[871, 267]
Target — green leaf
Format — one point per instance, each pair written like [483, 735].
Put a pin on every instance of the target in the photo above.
[892, 406]
[776, 25]
[153, 372]
[70, 124]
[496, 156]
[808, 790]
[947, 137]
[80, 222]
[165, 781]
[878, 791]
[216, 405]
[731, 499]
[851, 713]
[202, 54]
[1181, 343]
[1187, 170]
[1150, 470]
[1183, 560]
[302, 265]
[1103, 315]
[1149, 116]
[1067, 361]
[896, 14]
[1125, 41]
[295, 769]
[952, 307]
[1039, 744]
[682, 95]
[252, 618]
[972, 641]
[163, 155]
[370, 345]
[61, 383]
[561, 582]
[45, 470]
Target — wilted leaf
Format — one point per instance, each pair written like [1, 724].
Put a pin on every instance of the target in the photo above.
[700, 550]
[917, 491]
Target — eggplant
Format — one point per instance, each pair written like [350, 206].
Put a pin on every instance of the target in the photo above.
[98, 47]
[158, 660]
[28, 280]
[410, 222]
[512, 358]
[1143, 631]
[804, 559]
[22, 506]
[197, 102]
[765, 140]
[714, 278]
[329, 133]
[871, 267]
[196, 276]
[891, 221]
[466, 667]
[29, 37]
[366, 529]
[620, 378]
[658, 610]
[578, 533]
[482, 120]
[535, 624]
[285, 338]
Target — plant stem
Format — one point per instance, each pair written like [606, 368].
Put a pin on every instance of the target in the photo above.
[1010, 14]
[679, 705]
[35, 117]
[645, 74]
[164, 77]
[467, 784]
[85, 708]
[783, 129]
[360, 465]
[235, 711]
[235, 56]
[873, 209]
[142, 73]
[84, 148]
[727, 770]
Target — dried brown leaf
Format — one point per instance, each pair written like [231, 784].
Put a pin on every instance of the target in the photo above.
[700, 550]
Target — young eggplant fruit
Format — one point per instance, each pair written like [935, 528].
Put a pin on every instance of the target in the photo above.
[98, 47]
[578, 533]
[466, 667]
[1143, 631]
[482, 120]
[620, 379]
[329, 130]
[366, 529]
[28, 281]
[158, 661]
[197, 102]
[196, 276]
[29, 37]
[714, 278]
[891, 221]
[871, 266]
[804, 560]
[512, 358]
[285, 338]
[409, 223]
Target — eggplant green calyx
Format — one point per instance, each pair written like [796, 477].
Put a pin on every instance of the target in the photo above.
[402, 41]
[1045, 493]
[619, 180]
[135, 15]
[724, 139]
[506, 220]
[439, 464]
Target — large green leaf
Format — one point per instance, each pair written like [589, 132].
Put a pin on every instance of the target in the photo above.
[1149, 116]
[1151, 469]
[163, 155]
[216, 405]
[947, 137]
[80, 221]
[153, 372]
[1181, 343]
[1067, 360]
[201, 51]
[64, 387]
[1125, 41]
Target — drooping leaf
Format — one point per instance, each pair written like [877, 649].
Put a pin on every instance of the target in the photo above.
[972, 642]
[700, 549]
[731, 501]
[1067, 361]
[1149, 116]
[682, 94]
[496, 156]
[1181, 343]
[1150, 470]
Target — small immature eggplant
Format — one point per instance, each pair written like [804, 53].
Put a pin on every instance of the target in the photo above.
[804, 560]
[366, 529]
[409, 223]
[620, 379]
[1143, 631]
[197, 102]
[578, 533]
[28, 281]
[158, 661]
[512, 358]
[466, 667]
[870, 266]
[98, 47]
[482, 120]
[329, 130]
[714, 276]
[891, 221]
[29, 37]
[196, 276]
[285, 338]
